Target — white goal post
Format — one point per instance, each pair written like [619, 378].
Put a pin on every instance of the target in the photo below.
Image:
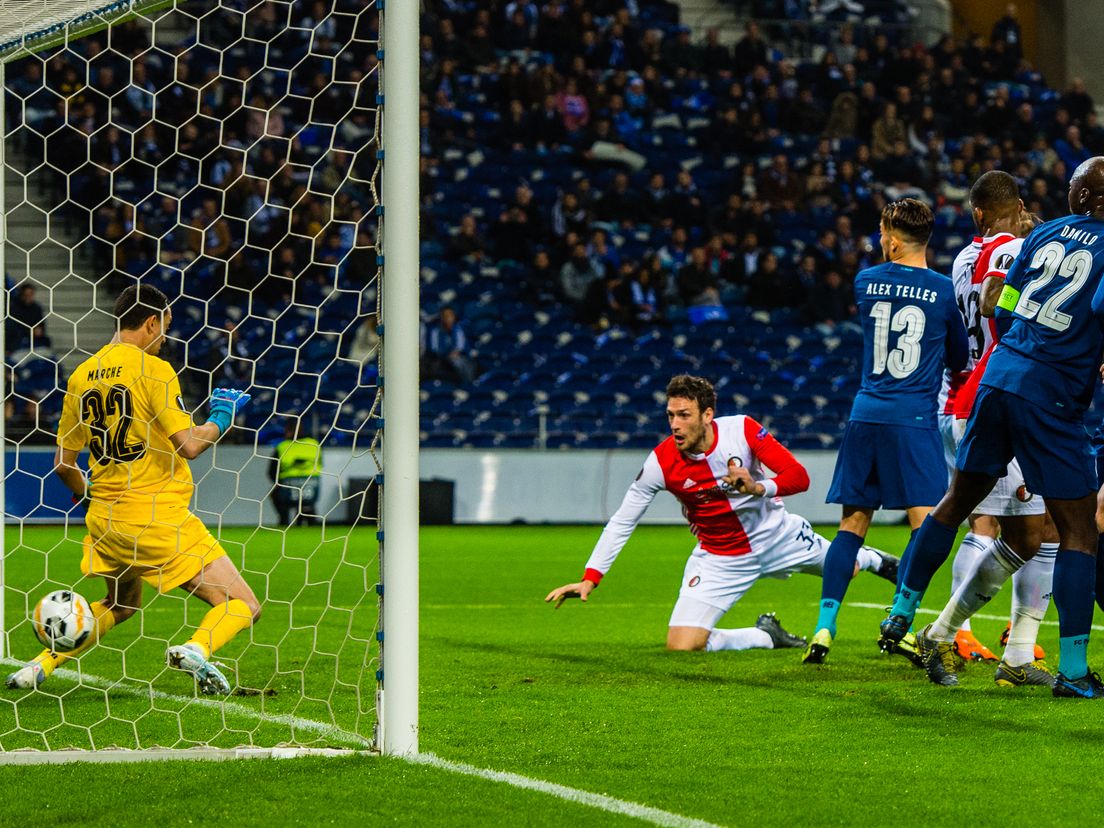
[35, 27]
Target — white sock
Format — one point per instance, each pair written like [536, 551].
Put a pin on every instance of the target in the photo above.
[868, 559]
[991, 572]
[970, 551]
[746, 638]
[1030, 598]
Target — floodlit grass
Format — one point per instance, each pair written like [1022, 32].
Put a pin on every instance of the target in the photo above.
[587, 697]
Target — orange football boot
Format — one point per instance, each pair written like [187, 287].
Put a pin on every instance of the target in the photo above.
[970, 649]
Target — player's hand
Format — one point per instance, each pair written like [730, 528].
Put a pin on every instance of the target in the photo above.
[86, 499]
[739, 479]
[561, 594]
[225, 403]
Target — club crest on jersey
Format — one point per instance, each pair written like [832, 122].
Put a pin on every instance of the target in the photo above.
[693, 582]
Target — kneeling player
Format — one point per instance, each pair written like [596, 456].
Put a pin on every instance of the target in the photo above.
[715, 468]
[124, 404]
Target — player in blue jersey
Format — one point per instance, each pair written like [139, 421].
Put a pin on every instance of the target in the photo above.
[1033, 396]
[892, 453]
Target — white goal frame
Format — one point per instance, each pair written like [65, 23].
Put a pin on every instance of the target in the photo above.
[62, 21]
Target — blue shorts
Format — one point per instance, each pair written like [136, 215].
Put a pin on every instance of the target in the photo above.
[889, 466]
[1055, 455]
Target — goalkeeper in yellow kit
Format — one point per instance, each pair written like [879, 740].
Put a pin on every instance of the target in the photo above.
[124, 405]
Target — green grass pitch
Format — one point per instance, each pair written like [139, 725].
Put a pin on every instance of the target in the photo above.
[584, 697]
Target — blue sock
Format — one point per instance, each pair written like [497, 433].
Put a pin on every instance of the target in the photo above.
[1074, 576]
[839, 566]
[906, 556]
[930, 547]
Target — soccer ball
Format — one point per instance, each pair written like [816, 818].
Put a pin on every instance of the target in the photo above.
[63, 620]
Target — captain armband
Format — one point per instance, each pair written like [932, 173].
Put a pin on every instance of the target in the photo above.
[1009, 298]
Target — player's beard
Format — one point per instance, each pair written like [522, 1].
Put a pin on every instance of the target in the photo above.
[693, 440]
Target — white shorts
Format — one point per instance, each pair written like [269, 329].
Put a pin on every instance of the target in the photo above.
[711, 584]
[950, 441]
[1009, 497]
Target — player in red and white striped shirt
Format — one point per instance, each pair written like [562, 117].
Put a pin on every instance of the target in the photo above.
[717, 468]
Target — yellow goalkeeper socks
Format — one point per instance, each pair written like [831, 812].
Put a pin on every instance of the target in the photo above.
[221, 624]
[105, 620]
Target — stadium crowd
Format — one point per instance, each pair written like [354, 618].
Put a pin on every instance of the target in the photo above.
[588, 163]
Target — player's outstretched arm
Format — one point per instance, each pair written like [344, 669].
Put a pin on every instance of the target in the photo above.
[579, 590]
[225, 403]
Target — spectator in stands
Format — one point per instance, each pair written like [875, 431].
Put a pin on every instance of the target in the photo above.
[619, 204]
[685, 202]
[541, 280]
[577, 274]
[468, 243]
[676, 252]
[1077, 101]
[778, 183]
[1007, 30]
[750, 50]
[606, 303]
[886, 132]
[26, 323]
[1070, 149]
[568, 216]
[645, 299]
[448, 356]
[681, 56]
[830, 301]
[716, 57]
[574, 110]
[697, 286]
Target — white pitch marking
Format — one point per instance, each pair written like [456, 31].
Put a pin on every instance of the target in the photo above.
[980, 615]
[119, 686]
[605, 803]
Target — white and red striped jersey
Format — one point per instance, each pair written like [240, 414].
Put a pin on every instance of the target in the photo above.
[725, 522]
[967, 274]
[999, 259]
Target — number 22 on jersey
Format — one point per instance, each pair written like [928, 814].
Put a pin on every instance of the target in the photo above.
[909, 321]
[1052, 260]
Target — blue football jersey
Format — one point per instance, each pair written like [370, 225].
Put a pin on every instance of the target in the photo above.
[1054, 300]
[912, 330]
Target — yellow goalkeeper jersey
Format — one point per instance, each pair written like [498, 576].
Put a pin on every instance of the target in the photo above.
[123, 404]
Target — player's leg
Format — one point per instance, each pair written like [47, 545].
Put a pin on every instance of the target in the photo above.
[983, 530]
[1022, 532]
[983, 457]
[234, 607]
[1031, 588]
[123, 599]
[839, 568]
[711, 585]
[1074, 594]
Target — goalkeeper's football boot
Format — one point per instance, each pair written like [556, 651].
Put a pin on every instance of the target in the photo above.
[781, 638]
[905, 647]
[189, 659]
[887, 568]
[1089, 686]
[27, 677]
[940, 660]
[970, 649]
[1040, 653]
[893, 629]
[817, 651]
[1033, 674]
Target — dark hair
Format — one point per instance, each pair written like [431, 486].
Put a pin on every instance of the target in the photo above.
[693, 388]
[996, 191]
[910, 218]
[138, 303]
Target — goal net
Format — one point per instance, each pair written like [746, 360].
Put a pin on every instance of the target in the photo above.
[230, 154]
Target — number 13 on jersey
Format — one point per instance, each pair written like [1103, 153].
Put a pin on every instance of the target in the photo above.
[909, 321]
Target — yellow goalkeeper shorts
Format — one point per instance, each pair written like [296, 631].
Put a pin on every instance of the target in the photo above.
[165, 553]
